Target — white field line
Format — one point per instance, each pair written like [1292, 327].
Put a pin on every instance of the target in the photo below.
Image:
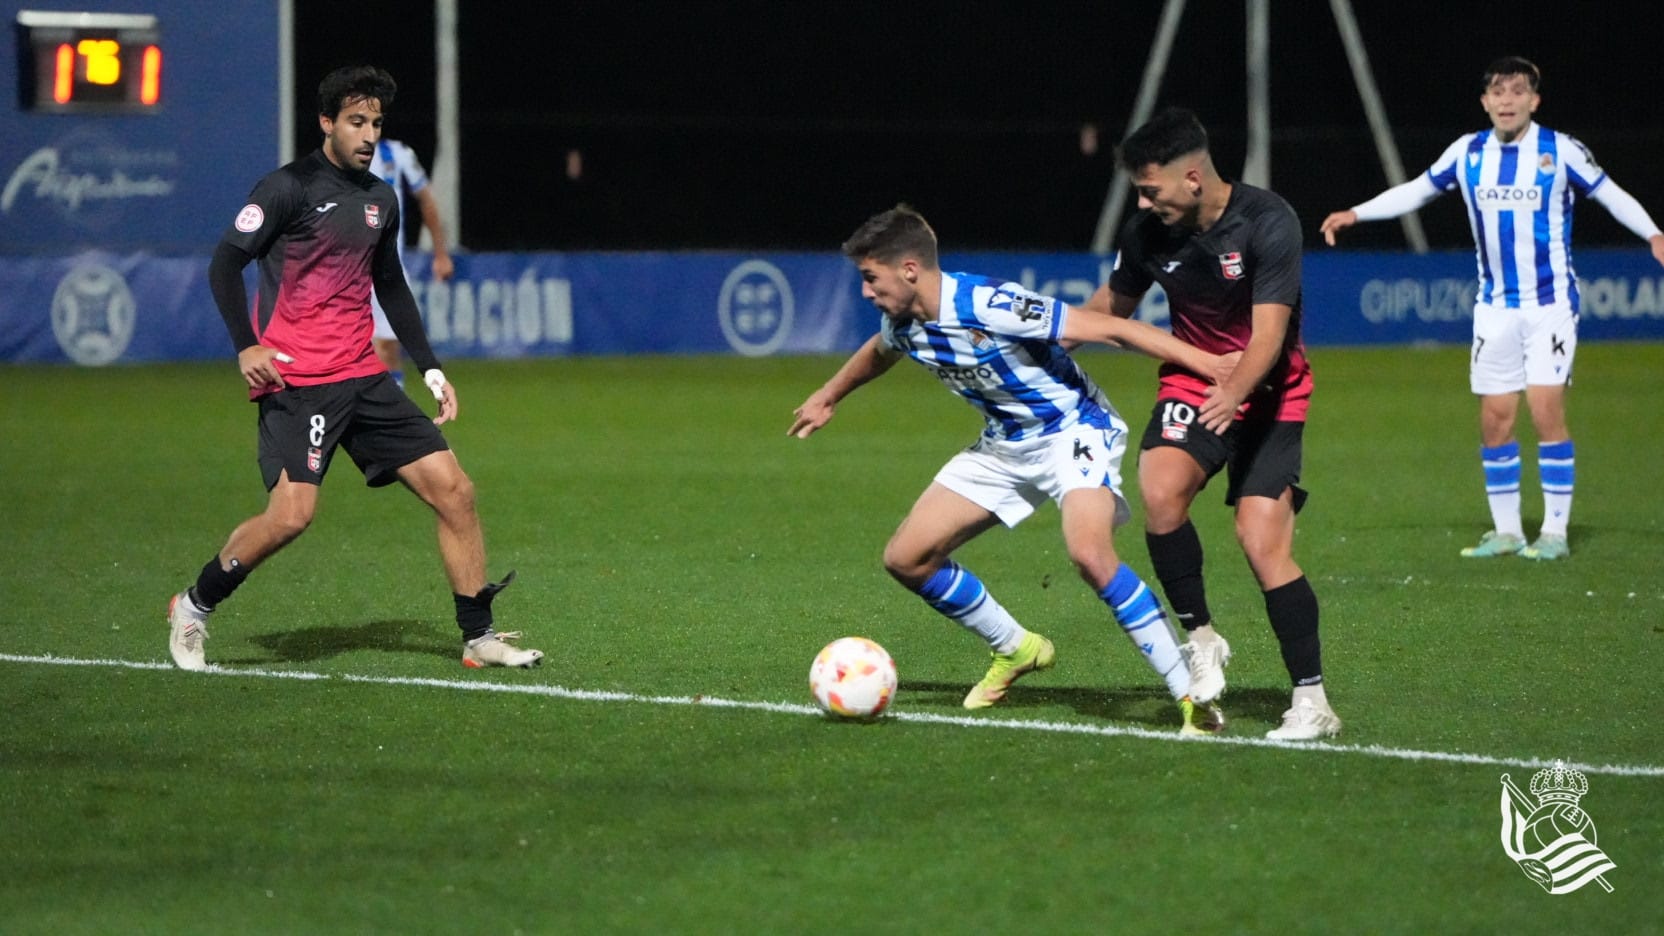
[926, 718]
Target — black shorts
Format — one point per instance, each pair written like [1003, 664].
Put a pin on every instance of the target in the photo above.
[370, 417]
[1261, 456]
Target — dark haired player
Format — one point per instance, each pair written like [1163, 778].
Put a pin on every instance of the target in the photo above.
[1228, 256]
[1049, 433]
[324, 232]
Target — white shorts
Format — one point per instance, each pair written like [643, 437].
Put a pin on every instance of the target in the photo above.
[1010, 479]
[1516, 348]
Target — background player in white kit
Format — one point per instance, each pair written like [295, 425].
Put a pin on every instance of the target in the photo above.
[1518, 180]
[397, 165]
[1050, 434]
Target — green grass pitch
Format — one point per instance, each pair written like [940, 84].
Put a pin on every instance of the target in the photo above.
[672, 543]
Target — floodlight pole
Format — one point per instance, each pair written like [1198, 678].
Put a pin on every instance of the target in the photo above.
[285, 82]
[447, 150]
[1385, 147]
[1256, 168]
[1116, 201]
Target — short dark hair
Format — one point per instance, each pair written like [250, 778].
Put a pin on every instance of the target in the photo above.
[352, 83]
[1512, 65]
[1165, 137]
[891, 235]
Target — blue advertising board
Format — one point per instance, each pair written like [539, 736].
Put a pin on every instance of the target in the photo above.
[102, 307]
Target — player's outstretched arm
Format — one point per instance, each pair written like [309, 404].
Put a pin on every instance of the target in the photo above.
[871, 361]
[1105, 301]
[1336, 222]
[1628, 212]
[1401, 199]
[1101, 325]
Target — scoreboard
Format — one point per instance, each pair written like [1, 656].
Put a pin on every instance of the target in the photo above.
[89, 62]
[134, 124]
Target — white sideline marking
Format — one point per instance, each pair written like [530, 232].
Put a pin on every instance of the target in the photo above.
[927, 718]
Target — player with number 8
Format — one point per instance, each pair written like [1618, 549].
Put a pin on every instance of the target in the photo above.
[316, 226]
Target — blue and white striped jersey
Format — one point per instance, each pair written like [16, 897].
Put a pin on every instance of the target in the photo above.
[397, 165]
[995, 344]
[1519, 197]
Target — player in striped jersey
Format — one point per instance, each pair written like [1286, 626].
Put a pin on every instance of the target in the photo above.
[397, 165]
[1520, 181]
[1049, 433]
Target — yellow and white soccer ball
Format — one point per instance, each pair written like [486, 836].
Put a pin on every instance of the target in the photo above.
[853, 677]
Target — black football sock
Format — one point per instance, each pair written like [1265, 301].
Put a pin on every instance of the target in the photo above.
[214, 584]
[1177, 557]
[1292, 609]
[473, 612]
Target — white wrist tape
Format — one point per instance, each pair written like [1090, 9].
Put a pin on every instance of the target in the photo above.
[435, 379]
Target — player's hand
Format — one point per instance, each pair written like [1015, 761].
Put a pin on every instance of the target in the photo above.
[259, 367]
[814, 413]
[444, 393]
[1657, 242]
[443, 268]
[1338, 221]
[1219, 408]
[1224, 365]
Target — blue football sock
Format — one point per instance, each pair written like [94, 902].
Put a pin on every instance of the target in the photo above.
[958, 594]
[1140, 616]
[1502, 486]
[1557, 463]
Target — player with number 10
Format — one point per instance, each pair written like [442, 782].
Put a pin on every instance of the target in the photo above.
[1050, 434]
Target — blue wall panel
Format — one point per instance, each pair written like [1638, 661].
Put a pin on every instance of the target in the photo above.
[99, 307]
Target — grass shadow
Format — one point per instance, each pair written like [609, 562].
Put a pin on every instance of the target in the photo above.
[316, 643]
[1148, 706]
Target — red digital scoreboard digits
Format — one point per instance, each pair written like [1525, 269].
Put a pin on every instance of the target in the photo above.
[89, 62]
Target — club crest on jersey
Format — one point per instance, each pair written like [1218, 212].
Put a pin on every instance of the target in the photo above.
[1027, 307]
[980, 339]
[1546, 164]
[372, 215]
[1231, 265]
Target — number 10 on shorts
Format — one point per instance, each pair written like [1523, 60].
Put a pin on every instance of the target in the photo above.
[1176, 418]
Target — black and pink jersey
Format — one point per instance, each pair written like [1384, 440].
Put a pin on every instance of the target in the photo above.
[1213, 280]
[319, 233]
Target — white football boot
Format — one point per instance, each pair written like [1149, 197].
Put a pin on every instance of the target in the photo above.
[187, 631]
[494, 650]
[1207, 660]
[1305, 721]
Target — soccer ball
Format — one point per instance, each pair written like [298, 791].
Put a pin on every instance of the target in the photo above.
[853, 677]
